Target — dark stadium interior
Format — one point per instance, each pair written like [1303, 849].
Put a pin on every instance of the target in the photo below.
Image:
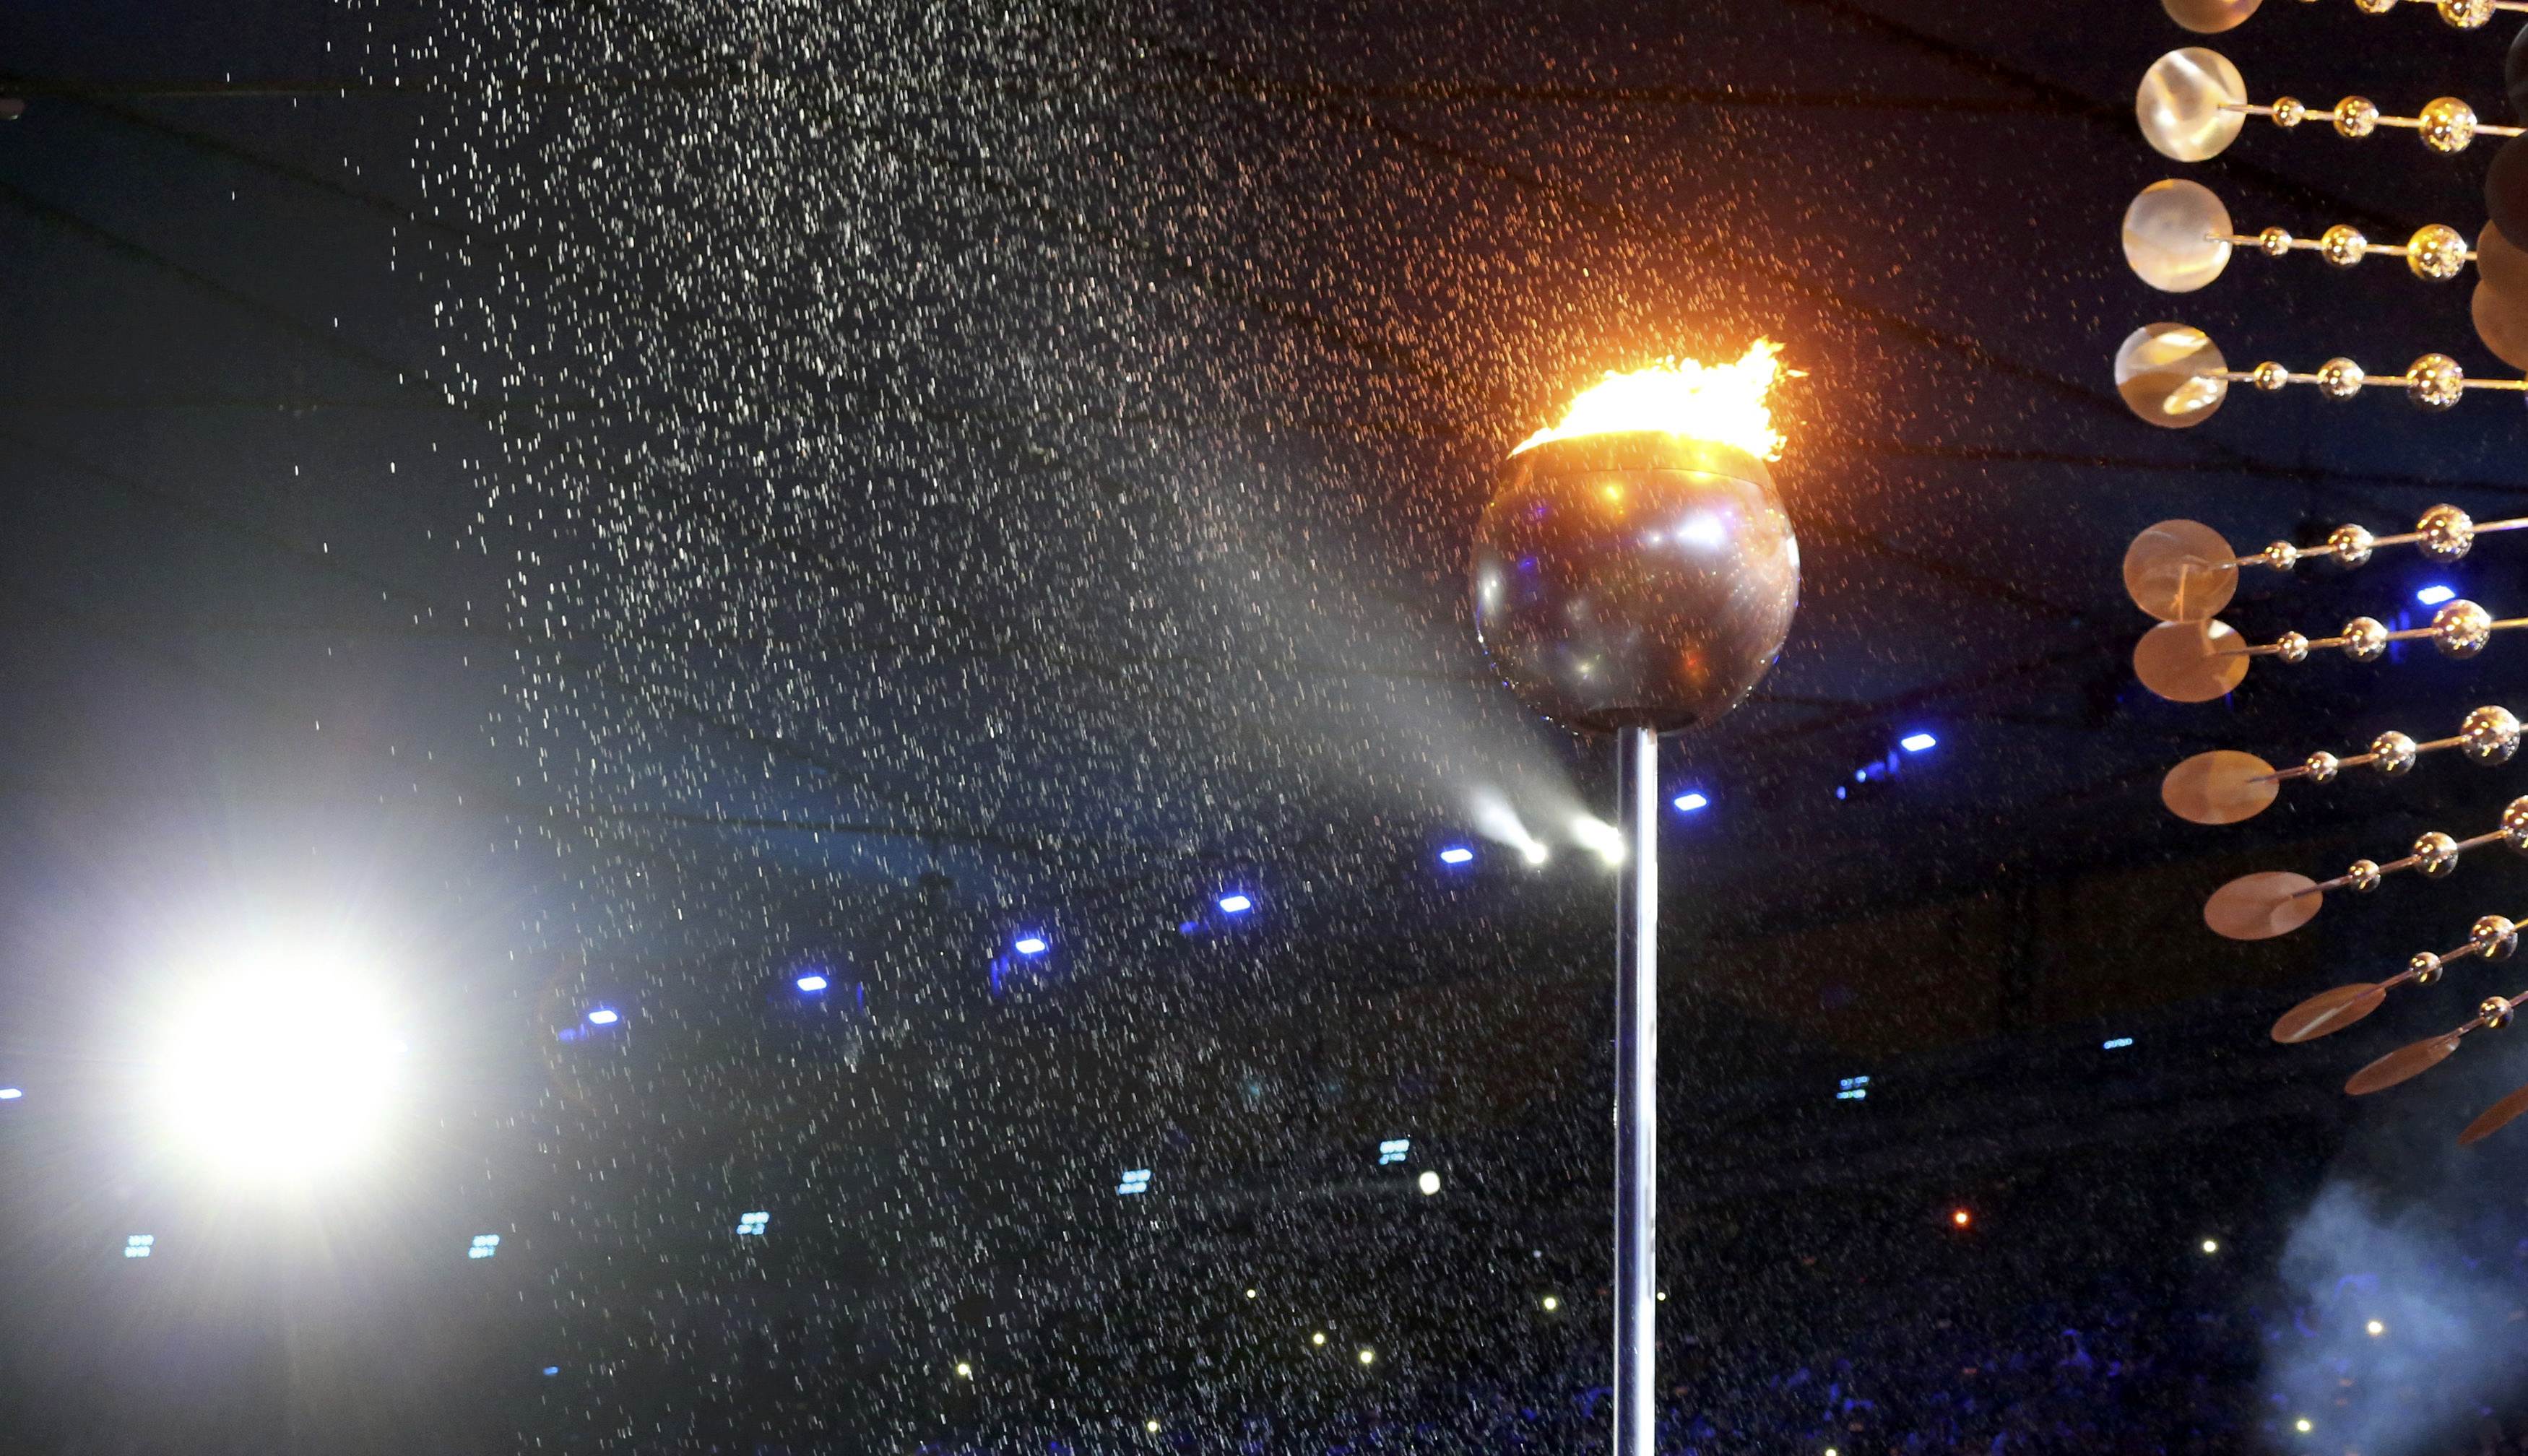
[625, 505]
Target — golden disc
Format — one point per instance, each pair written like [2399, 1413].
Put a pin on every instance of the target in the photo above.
[2495, 1118]
[2181, 571]
[2210, 17]
[2500, 322]
[2174, 235]
[2499, 262]
[2262, 905]
[2182, 100]
[2170, 375]
[2190, 661]
[2329, 1011]
[2220, 787]
[2404, 1062]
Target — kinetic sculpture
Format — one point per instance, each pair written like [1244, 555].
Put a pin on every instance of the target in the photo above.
[2178, 237]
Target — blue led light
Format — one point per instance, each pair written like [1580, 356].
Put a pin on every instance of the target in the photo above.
[1136, 1180]
[812, 982]
[603, 1016]
[2115, 1043]
[1028, 945]
[753, 1224]
[553, 1370]
[2436, 593]
[1457, 855]
[1690, 801]
[1235, 905]
[1914, 743]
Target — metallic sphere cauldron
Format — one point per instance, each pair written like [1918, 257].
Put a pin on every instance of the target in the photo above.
[1633, 580]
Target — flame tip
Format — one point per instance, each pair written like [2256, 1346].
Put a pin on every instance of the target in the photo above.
[1724, 403]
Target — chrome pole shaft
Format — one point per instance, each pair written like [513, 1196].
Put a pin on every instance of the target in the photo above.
[1636, 1093]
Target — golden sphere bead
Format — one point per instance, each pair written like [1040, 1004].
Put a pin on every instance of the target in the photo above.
[2343, 245]
[2356, 115]
[2437, 381]
[2339, 379]
[2374, 7]
[2289, 111]
[2437, 252]
[2448, 125]
[2466, 15]
[2273, 243]
[2271, 376]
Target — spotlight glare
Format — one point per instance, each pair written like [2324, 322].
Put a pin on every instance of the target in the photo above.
[1367, 1356]
[1250, 1294]
[1914, 743]
[1457, 855]
[1961, 1217]
[1534, 852]
[1602, 838]
[2436, 593]
[1317, 1338]
[1028, 945]
[1429, 1182]
[280, 1069]
[2211, 1246]
[1690, 801]
[1235, 905]
[965, 1371]
[1551, 1303]
[11, 1094]
[1152, 1426]
[2302, 1426]
[603, 1016]
[2376, 1328]
[812, 983]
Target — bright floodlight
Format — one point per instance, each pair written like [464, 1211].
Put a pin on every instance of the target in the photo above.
[1688, 803]
[812, 983]
[1457, 855]
[1235, 905]
[2435, 593]
[1028, 945]
[1914, 743]
[11, 1094]
[281, 1068]
[603, 1016]
[2376, 1328]
[1601, 837]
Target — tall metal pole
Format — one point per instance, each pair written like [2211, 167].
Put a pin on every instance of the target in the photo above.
[1636, 1286]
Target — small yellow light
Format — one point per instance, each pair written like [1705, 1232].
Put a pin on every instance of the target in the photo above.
[1366, 1356]
[1662, 1296]
[1829, 1451]
[965, 1371]
[2211, 1246]
[2302, 1426]
[2376, 1328]
[1152, 1426]
[1552, 1303]
[1317, 1338]
[1250, 1294]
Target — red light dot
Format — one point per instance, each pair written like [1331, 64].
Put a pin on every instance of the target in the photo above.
[1962, 1218]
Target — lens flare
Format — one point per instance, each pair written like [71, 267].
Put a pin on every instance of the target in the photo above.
[1724, 403]
[281, 1066]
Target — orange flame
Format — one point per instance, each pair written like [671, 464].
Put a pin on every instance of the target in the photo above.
[1724, 403]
